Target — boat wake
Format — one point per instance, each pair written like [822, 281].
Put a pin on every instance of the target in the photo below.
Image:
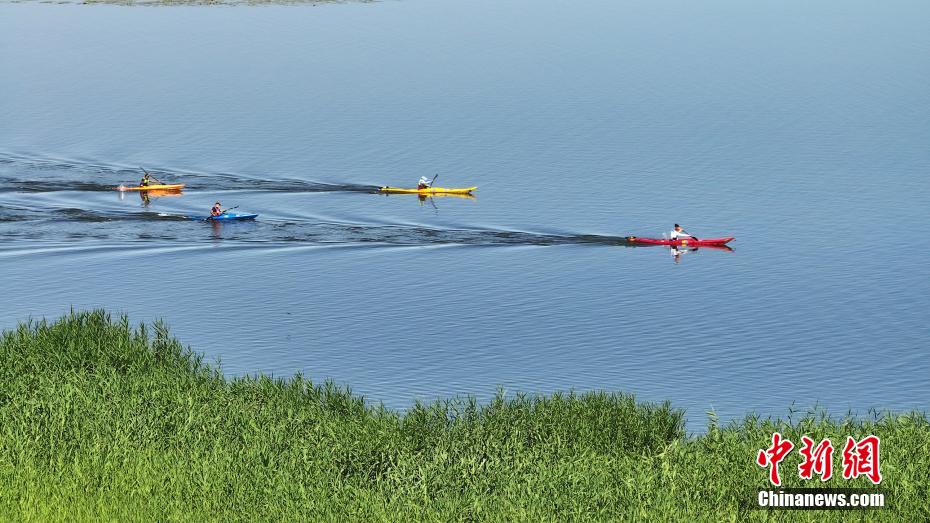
[37, 175]
[50, 201]
[54, 225]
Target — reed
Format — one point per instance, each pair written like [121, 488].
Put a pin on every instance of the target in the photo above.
[101, 419]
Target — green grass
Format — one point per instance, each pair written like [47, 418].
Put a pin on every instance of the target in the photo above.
[103, 420]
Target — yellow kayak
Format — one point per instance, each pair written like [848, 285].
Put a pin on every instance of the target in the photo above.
[428, 190]
[153, 187]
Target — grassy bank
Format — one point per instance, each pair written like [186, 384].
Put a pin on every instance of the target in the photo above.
[99, 419]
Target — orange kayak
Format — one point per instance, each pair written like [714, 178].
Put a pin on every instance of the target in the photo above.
[154, 187]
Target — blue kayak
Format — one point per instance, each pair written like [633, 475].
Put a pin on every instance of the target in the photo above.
[231, 216]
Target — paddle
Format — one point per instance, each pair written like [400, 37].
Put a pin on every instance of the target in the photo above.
[695, 238]
[152, 177]
[433, 180]
[224, 211]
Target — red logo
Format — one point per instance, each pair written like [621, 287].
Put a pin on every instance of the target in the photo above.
[819, 460]
[773, 456]
[861, 459]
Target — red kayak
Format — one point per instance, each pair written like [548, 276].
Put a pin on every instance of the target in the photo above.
[685, 242]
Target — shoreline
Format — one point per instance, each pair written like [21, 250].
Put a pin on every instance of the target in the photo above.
[105, 419]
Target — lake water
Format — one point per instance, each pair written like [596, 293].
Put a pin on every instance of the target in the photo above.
[801, 129]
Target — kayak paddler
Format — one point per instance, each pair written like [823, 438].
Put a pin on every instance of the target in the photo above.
[679, 234]
[146, 180]
[424, 183]
[217, 209]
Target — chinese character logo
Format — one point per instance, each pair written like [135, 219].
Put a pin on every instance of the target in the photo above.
[860, 458]
[819, 460]
[774, 455]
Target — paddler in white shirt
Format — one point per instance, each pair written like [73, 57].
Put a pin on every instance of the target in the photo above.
[679, 234]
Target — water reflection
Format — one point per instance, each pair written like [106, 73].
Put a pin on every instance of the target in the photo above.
[431, 199]
[217, 233]
[146, 196]
[678, 252]
[422, 197]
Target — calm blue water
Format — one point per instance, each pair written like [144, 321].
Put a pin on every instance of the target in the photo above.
[800, 129]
